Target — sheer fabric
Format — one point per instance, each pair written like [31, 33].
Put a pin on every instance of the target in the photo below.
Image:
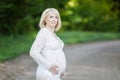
[47, 50]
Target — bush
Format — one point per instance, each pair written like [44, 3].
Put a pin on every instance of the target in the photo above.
[22, 16]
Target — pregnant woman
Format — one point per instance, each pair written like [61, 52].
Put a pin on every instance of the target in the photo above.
[47, 49]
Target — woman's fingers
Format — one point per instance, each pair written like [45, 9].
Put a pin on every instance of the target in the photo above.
[62, 74]
[54, 69]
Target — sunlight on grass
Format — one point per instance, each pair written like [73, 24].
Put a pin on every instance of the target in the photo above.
[78, 37]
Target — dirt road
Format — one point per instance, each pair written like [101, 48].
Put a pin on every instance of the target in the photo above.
[90, 61]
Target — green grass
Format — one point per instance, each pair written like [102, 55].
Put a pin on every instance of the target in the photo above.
[83, 37]
[11, 47]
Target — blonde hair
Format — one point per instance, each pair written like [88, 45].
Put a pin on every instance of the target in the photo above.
[44, 15]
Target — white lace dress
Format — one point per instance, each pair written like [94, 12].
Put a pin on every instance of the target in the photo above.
[47, 50]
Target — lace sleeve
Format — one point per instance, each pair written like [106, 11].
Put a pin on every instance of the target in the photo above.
[36, 49]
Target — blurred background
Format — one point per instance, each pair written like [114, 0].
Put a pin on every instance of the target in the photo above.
[82, 21]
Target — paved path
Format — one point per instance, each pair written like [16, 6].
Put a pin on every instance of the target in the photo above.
[90, 61]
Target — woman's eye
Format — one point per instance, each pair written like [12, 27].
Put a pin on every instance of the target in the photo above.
[51, 16]
[56, 17]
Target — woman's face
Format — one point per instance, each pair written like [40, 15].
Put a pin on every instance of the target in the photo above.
[51, 20]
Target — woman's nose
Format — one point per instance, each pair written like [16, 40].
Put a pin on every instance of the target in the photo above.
[54, 19]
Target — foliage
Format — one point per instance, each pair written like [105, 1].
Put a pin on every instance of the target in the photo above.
[19, 16]
[22, 16]
[91, 15]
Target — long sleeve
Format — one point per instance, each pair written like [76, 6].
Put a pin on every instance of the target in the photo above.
[36, 49]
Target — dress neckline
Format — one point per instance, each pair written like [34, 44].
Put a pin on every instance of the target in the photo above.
[54, 34]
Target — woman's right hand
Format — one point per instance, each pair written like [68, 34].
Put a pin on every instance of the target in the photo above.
[54, 69]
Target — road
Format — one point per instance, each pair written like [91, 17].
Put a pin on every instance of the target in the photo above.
[88, 61]
[94, 61]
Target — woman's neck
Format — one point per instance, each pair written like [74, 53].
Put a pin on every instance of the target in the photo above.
[51, 29]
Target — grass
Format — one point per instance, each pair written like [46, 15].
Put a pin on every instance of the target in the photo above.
[83, 37]
[11, 47]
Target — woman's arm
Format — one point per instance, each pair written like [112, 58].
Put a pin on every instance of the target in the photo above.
[36, 49]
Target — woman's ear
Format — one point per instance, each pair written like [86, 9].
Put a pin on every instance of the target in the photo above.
[44, 22]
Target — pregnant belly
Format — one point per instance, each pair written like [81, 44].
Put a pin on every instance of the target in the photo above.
[55, 58]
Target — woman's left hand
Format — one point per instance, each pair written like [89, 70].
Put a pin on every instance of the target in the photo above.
[54, 69]
[62, 74]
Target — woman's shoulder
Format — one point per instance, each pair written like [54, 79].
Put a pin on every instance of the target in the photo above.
[43, 31]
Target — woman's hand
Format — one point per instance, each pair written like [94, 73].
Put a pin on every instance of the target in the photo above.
[54, 69]
[62, 75]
